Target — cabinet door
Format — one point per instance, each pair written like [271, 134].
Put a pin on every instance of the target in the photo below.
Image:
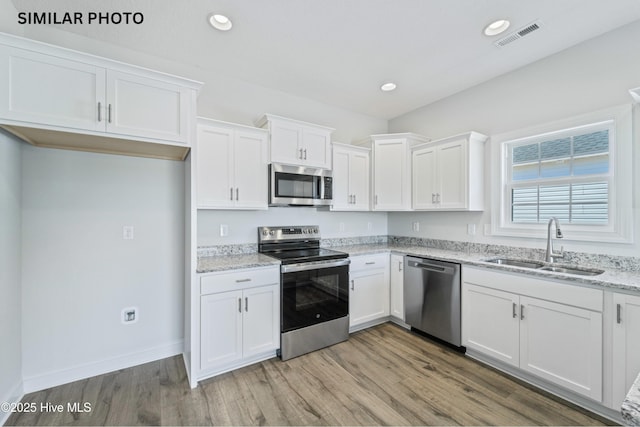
[359, 181]
[368, 297]
[145, 107]
[261, 322]
[423, 172]
[47, 90]
[286, 143]
[452, 175]
[490, 322]
[396, 275]
[562, 344]
[220, 329]
[341, 195]
[626, 345]
[390, 166]
[316, 148]
[250, 170]
[215, 186]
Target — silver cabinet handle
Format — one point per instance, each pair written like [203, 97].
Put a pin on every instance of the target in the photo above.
[370, 263]
[399, 265]
[99, 111]
[237, 193]
[300, 157]
[618, 313]
[433, 197]
[438, 197]
[514, 314]
[231, 194]
[521, 311]
[246, 303]
[109, 114]
[354, 199]
[376, 200]
[350, 199]
[305, 154]
[353, 285]
[243, 280]
[239, 305]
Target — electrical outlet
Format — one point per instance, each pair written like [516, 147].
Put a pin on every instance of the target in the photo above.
[129, 315]
[471, 229]
[224, 230]
[127, 232]
[416, 226]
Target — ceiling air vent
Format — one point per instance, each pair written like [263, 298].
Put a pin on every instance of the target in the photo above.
[517, 35]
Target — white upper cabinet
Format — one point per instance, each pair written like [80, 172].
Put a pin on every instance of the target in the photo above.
[231, 166]
[448, 174]
[350, 178]
[144, 107]
[392, 170]
[297, 143]
[56, 97]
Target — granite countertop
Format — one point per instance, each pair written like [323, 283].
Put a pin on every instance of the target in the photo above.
[631, 405]
[212, 264]
[613, 279]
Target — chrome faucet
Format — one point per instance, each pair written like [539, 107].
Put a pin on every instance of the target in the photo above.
[550, 255]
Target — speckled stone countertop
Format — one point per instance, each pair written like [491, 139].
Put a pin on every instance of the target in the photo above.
[612, 279]
[210, 264]
[631, 405]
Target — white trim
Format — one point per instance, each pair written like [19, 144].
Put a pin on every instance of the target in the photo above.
[88, 370]
[14, 396]
[622, 194]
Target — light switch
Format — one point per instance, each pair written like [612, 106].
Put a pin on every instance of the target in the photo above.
[127, 232]
[224, 230]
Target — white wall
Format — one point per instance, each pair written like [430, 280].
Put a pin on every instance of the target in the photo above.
[10, 262]
[591, 76]
[243, 224]
[78, 273]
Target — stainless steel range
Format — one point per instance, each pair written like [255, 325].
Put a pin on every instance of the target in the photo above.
[314, 289]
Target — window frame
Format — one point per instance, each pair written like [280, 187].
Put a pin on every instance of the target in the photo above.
[618, 121]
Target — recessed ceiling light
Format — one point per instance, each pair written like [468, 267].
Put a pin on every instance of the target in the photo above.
[220, 22]
[496, 27]
[388, 87]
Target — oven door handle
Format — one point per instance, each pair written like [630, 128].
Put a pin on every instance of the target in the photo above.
[305, 266]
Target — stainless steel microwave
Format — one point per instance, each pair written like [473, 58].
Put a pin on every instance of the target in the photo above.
[299, 186]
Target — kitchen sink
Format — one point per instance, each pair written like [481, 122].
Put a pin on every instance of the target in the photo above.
[572, 270]
[516, 262]
[538, 265]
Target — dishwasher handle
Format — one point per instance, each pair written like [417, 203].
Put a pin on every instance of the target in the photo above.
[432, 267]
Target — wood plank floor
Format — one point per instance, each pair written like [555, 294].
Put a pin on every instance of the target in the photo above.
[382, 376]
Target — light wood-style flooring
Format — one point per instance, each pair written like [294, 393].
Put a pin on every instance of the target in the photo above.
[382, 376]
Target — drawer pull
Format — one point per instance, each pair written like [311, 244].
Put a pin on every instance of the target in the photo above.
[370, 263]
[242, 280]
[353, 285]
[618, 313]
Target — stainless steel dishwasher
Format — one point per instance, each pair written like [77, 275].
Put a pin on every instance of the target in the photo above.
[432, 297]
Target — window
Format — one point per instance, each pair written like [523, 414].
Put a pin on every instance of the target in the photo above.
[565, 175]
[578, 170]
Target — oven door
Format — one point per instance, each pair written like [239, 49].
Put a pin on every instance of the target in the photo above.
[314, 293]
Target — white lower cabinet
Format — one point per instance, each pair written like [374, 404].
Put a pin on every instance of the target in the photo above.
[548, 329]
[396, 273]
[368, 290]
[625, 345]
[238, 326]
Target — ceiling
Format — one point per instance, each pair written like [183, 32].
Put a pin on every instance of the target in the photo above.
[339, 52]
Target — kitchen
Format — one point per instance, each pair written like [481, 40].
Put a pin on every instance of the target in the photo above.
[66, 209]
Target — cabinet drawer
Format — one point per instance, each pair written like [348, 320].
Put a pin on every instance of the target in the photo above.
[366, 262]
[536, 287]
[239, 279]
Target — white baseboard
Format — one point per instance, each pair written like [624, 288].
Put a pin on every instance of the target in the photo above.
[75, 373]
[14, 396]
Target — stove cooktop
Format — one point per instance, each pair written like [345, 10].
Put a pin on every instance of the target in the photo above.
[295, 256]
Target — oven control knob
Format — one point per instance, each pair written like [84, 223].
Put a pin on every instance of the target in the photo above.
[265, 232]
[272, 233]
[315, 230]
